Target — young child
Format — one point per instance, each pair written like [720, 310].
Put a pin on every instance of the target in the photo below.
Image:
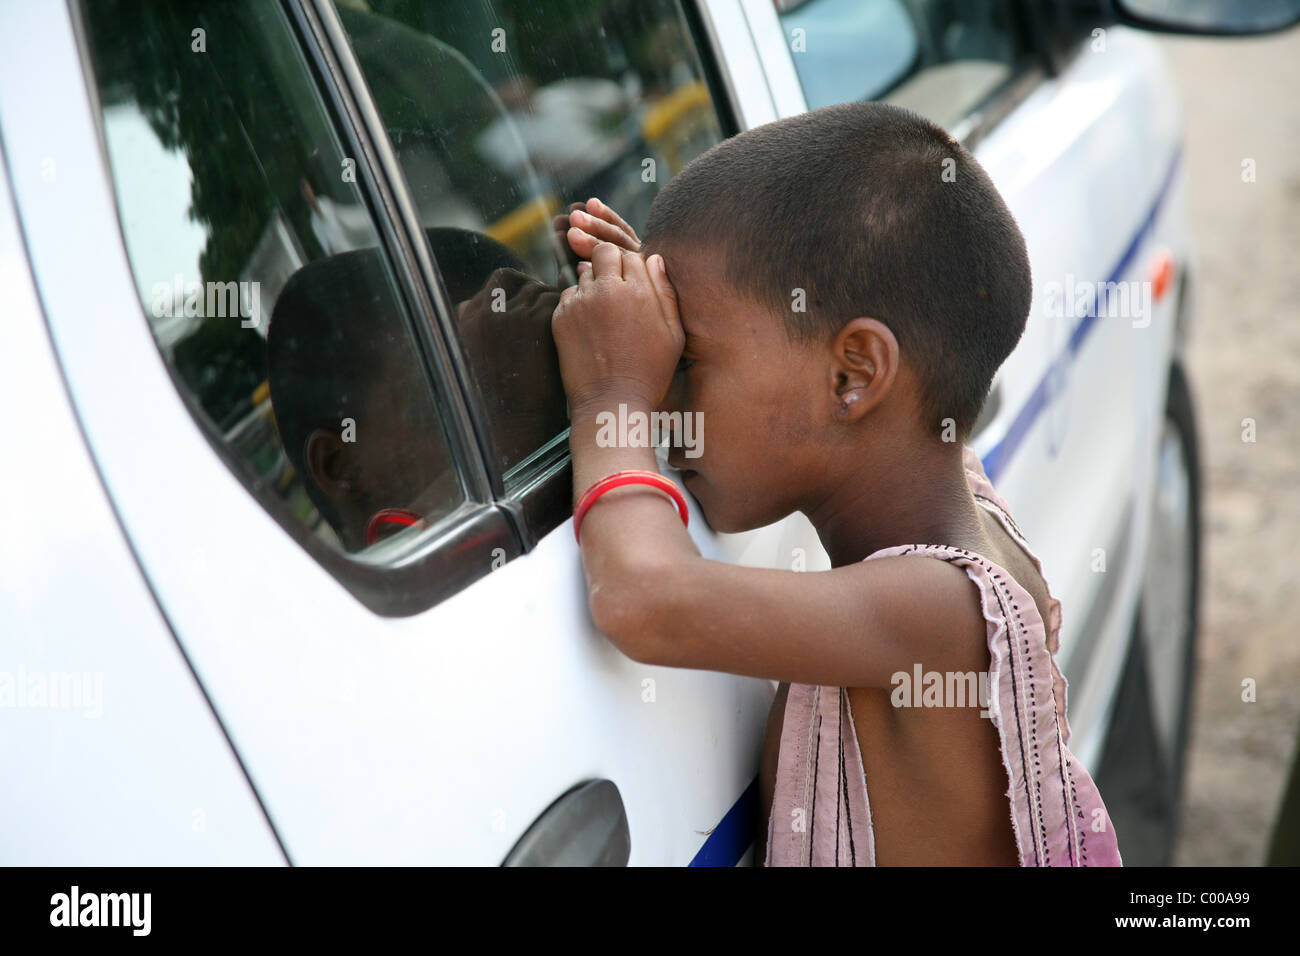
[844, 284]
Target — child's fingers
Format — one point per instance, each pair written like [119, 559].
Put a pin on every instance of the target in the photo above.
[658, 272]
[634, 269]
[582, 243]
[607, 261]
[636, 272]
[605, 230]
[650, 271]
[597, 208]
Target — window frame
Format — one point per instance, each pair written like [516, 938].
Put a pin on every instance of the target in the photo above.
[549, 480]
[541, 497]
[460, 547]
[1067, 29]
[1032, 69]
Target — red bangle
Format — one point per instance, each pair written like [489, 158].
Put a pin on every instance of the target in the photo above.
[389, 516]
[620, 478]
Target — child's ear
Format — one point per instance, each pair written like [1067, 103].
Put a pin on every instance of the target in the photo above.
[327, 463]
[864, 364]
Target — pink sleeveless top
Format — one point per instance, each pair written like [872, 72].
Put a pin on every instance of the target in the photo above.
[820, 812]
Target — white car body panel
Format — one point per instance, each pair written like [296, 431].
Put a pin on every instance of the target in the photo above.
[728, 28]
[111, 753]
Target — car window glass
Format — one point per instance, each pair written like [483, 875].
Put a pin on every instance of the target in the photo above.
[941, 58]
[258, 266]
[502, 113]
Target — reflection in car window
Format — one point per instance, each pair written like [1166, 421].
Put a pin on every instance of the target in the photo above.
[502, 112]
[940, 58]
[258, 267]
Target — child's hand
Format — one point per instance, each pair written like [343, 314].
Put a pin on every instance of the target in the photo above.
[617, 331]
[587, 223]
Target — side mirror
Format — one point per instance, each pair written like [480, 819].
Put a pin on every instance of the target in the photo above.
[1217, 17]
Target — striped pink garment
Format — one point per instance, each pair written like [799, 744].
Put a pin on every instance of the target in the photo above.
[820, 812]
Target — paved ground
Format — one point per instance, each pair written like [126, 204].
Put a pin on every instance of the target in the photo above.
[1243, 102]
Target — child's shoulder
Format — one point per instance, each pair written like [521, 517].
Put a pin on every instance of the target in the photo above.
[1028, 569]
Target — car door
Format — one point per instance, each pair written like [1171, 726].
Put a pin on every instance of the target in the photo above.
[367, 565]
[1078, 130]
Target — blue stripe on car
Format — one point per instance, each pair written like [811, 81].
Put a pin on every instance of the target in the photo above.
[996, 460]
[733, 836]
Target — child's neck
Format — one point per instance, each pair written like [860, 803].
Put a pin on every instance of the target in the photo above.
[922, 497]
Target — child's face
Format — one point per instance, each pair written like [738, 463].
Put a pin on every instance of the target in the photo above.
[756, 395]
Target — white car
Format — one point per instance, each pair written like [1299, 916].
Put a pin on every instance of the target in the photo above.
[288, 572]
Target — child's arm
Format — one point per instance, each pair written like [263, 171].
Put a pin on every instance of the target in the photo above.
[662, 603]
[649, 589]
